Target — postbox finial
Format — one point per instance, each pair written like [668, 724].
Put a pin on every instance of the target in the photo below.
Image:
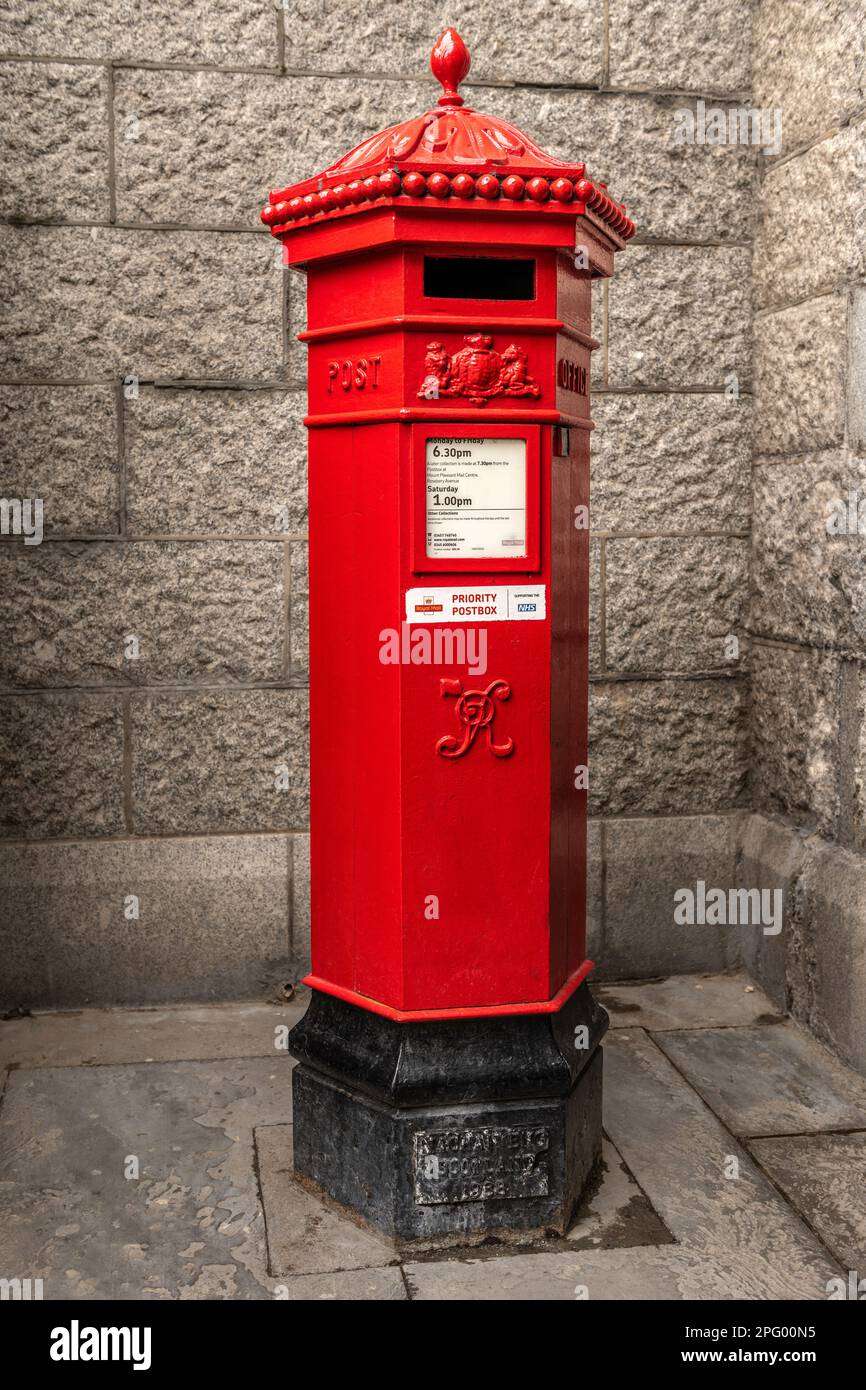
[450, 63]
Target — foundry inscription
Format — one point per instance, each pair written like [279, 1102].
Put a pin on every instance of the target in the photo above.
[478, 1165]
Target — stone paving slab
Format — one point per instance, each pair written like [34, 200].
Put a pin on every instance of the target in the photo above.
[824, 1177]
[189, 1227]
[182, 1033]
[616, 1213]
[304, 1236]
[360, 1285]
[650, 1274]
[686, 1001]
[680, 1155]
[213, 1141]
[769, 1080]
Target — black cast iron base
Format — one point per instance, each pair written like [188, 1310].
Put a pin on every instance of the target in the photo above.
[451, 1129]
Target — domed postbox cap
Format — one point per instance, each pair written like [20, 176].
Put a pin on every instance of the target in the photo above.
[451, 155]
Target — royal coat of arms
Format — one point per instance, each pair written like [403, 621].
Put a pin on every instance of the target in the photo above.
[477, 371]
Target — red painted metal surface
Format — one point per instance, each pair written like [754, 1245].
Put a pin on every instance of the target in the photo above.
[448, 835]
[451, 153]
[539, 1006]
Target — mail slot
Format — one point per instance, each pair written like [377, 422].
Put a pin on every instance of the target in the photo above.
[449, 1077]
[479, 277]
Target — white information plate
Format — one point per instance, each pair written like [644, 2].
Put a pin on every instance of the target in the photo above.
[476, 603]
[476, 498]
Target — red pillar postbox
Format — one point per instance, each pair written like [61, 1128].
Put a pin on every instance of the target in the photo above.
[449, 1077]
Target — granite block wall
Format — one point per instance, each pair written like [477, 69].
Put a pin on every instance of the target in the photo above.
[153, 663]
[807, 837]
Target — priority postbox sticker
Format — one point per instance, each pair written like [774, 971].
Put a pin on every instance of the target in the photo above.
[476, 603]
